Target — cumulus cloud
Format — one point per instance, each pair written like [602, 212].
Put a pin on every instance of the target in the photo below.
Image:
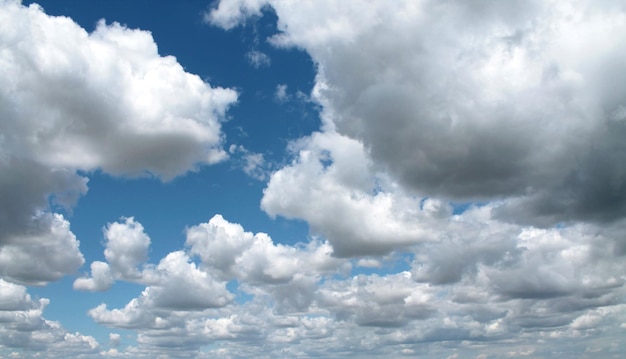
[43, 253]
[455, 136]
[126, 248]
[505, 103]
[481, 141]
[78, 101]
[23, 325]
[301, 299]
[362, 218]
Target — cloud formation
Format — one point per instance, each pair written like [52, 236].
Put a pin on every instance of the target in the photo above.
[464, 193]
[23, 326]
[510, 102]
[486, 151]
[78, 101]
[246, 290]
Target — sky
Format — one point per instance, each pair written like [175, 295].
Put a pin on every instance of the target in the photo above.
[280, 179]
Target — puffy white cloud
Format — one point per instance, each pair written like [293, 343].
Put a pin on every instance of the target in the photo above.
[77, 101]
[22, 325]
[101, 278]
[300, 299]
[232, 253]
[176, 284]
[333, 185]
[229, 14]
[104, 100]
[178, 275]
[126, 247]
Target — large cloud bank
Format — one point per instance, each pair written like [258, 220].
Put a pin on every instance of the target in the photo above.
[481, 139]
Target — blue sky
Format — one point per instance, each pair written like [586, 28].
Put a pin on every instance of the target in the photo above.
[268, 178]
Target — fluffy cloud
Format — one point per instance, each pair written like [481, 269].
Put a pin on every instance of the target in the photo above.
[23, 325]
[487, 281]
[480, 140]
[103, 100]
[505, 103]
[126, 248]
[362, 218]
[45, 252]
[78, 101]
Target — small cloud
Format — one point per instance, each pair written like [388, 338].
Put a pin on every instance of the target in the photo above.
[114, 339]
[281, 94]
[253, 164]
[258, 59]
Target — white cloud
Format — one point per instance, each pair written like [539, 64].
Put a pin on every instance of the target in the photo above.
[302, 300]
[45, 252]
[23, 325]
[422, 102]
[229, 14]
[428, 106]
[126, 248]
[74, 101]
[365, 215]
[281, 94]
[116, 105]
[511, 101]
[254, 259]
[258, 59]
[253, 164]
[178, 275]
[101, 278]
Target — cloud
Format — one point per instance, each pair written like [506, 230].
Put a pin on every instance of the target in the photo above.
[78, 101]
[114, 339]
[281, 94]
[511, 102]
[117, 105]
[126, 247]
[300, 299]
[485, 153]
[100, 280]
[23, 326]
[258, 59]
[364, 217]
[253, 164]
[45, 252]
[254, 259]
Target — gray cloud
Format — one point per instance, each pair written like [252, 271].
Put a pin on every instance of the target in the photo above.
[476, 101]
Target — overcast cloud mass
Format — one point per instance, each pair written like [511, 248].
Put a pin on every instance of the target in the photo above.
[464, 192]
